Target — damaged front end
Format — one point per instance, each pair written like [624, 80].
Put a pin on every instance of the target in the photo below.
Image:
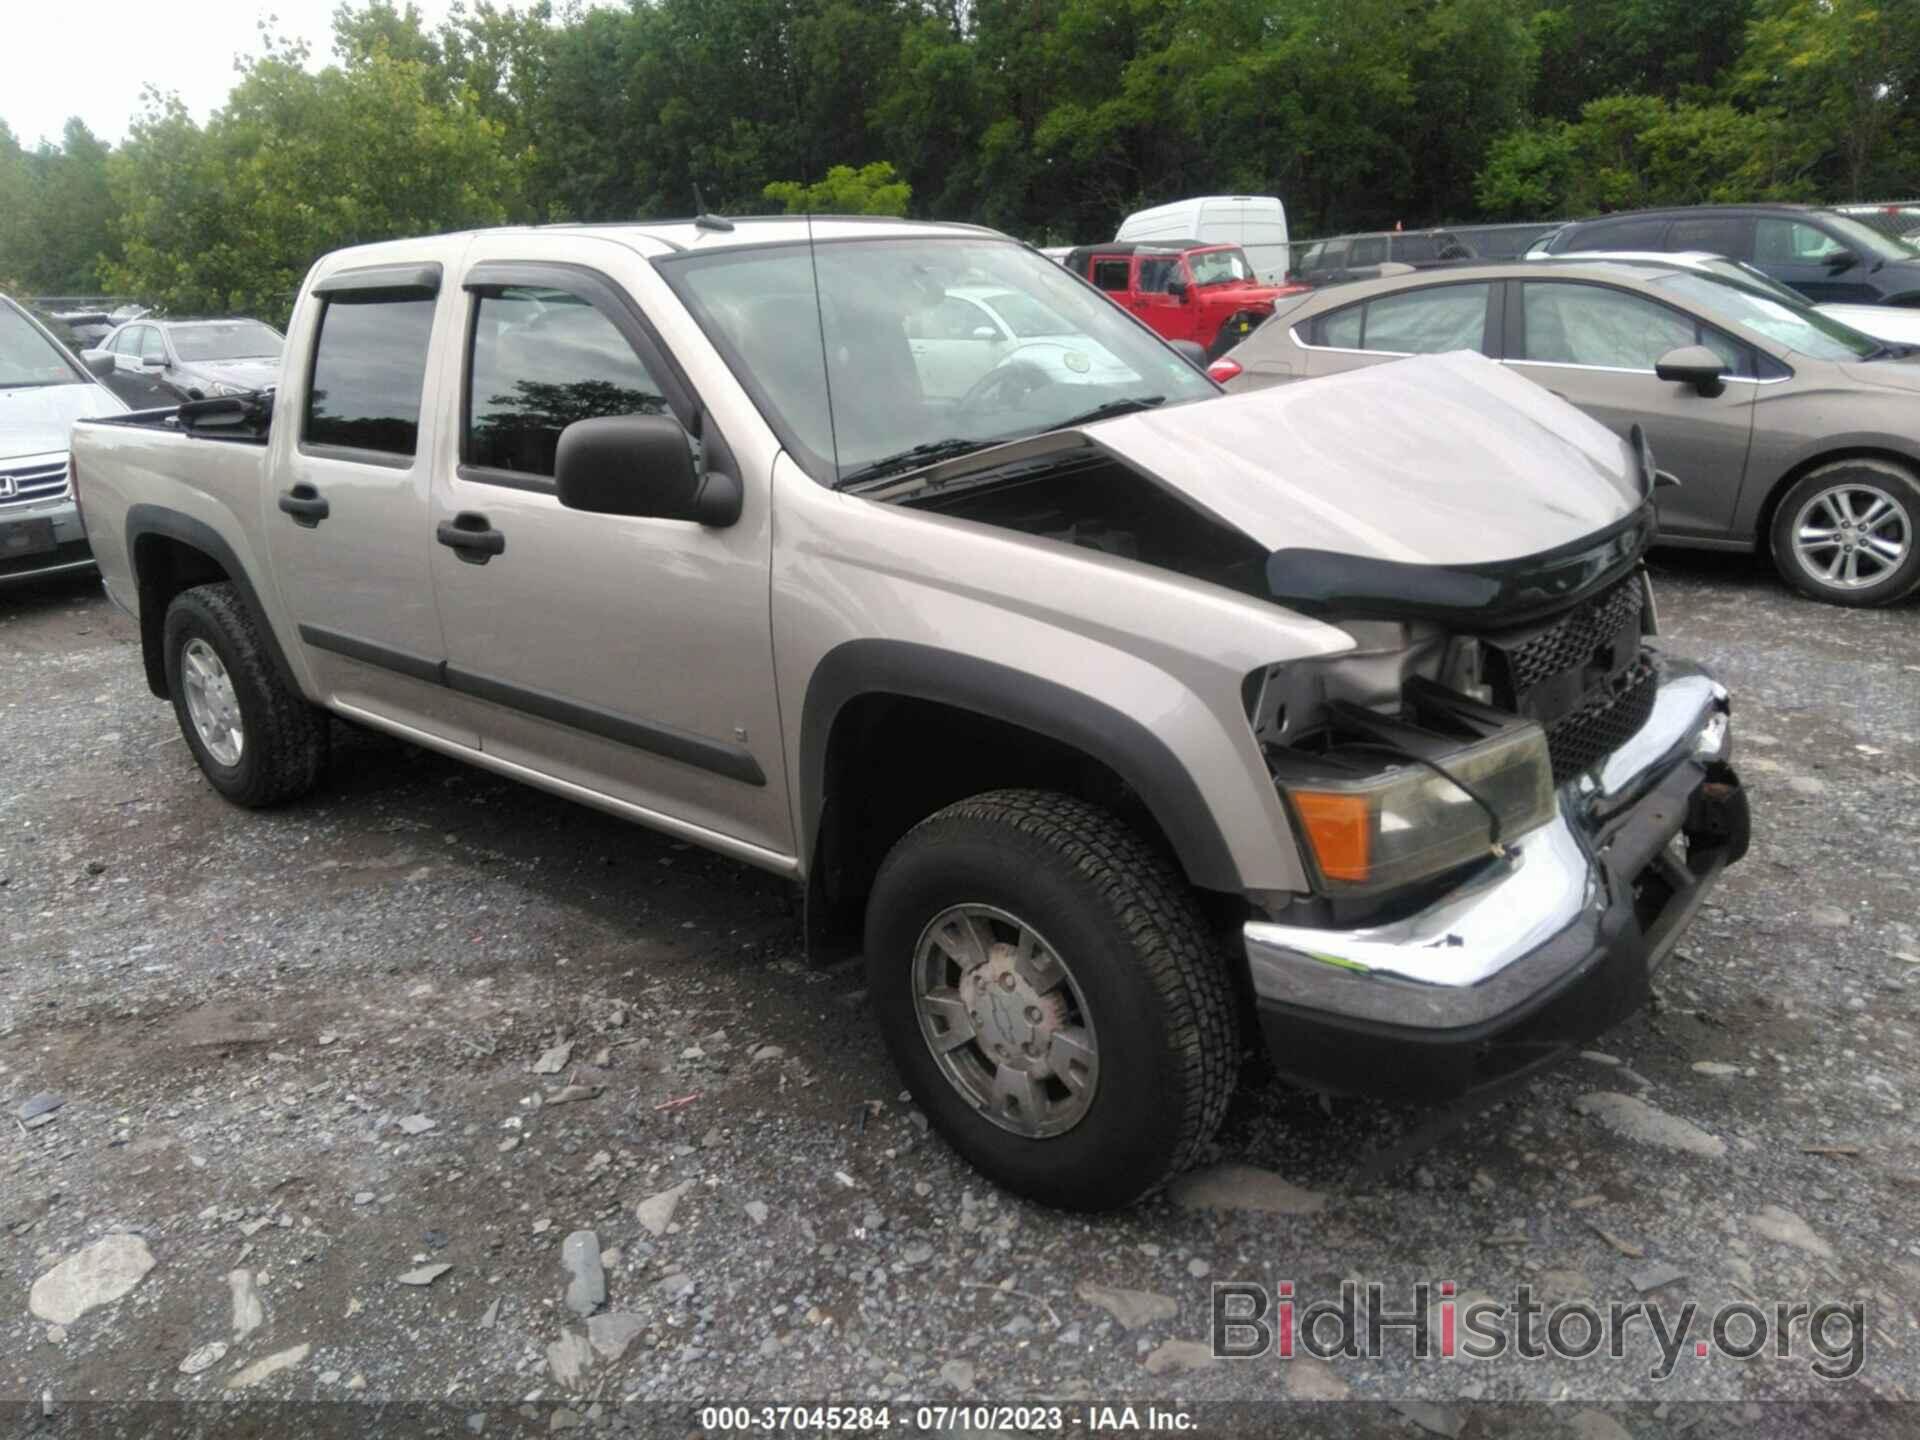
[1567, 801]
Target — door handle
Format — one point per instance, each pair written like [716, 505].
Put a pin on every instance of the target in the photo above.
[470, 537]
[305, 504]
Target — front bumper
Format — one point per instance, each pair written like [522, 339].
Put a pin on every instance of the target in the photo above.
[70, 553]
[1536, 952]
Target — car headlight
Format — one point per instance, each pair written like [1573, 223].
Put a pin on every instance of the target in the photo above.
[1377, 832]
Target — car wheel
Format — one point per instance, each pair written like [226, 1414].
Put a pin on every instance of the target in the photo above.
[257, 740]
[1849, 532]
[1052, 996]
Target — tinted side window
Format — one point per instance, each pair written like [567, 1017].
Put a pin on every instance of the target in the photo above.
[1342, 328]
[1110, 274]
[1722, 234]
[1414, 248]
[1635, 234]
[1368, 250]
[369, 365]
[543, 359]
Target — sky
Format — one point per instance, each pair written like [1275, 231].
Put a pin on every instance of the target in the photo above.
[91, 58]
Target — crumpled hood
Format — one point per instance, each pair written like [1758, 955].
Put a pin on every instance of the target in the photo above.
[254, 374]
[37, 419]
[1435, 460]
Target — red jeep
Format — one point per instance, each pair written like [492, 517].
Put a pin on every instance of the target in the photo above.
[1183, 289]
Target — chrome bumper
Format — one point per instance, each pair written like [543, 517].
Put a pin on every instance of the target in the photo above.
[68, 533]
[1518, 929]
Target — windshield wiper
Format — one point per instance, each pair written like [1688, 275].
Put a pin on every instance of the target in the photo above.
[1109, 410]
[912, 458]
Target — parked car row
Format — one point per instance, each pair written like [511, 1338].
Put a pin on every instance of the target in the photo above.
[153, 361]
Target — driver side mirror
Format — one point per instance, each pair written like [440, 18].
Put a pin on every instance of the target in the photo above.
[1693, 365]
[640, 465]
[102, 364]
[1178, 290]
[1842, 260]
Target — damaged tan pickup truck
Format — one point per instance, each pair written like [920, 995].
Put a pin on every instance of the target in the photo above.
[1112, 716]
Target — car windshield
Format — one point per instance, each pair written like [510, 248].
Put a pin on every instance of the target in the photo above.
[845, 372]
[1798, 327]
[28, 358]
[1863, 237]
[226, 340]
[1217, 267]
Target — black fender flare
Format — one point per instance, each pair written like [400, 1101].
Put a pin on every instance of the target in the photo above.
[1117, 740]
[144, 520]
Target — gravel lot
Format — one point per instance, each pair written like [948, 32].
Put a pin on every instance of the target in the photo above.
[426, 1025]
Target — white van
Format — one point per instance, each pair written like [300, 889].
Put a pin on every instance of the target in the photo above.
[1256, 223]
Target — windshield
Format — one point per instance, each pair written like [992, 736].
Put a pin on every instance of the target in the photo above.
[867, 373]
[1741, 273]
[1216, 267]
[1869, 241]
[28, 358]
[227, 340]
[1797, 327]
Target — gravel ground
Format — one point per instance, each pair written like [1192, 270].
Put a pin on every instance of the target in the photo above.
[352, 1073]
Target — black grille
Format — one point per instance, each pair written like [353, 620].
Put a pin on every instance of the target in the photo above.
[1582, 674]
[1604, 721]
[1570, 641]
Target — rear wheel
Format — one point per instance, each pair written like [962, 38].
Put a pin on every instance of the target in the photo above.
[257, 739]
[1849, 533]
[1052, 997]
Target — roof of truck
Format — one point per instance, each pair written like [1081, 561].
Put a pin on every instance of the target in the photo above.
[711, 232]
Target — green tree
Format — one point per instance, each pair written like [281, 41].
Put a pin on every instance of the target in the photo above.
[873, 189]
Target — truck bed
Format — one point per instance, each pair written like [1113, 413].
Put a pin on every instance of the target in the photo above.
[198, 466]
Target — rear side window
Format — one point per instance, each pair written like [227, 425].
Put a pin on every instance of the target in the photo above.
[1368, 250]
[1412, 322]
[153, 349]
[1721, 234]
[543, 359]
[1110, 274]
[369, 366]
[1639, 233]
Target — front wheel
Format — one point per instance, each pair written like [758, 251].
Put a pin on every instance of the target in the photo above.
[1052, 996]
[1847, 533]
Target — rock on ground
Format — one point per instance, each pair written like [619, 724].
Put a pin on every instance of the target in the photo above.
[248, 1313]
[655, 1212]
[1311, 1379]
[271, 1365]
[1244, 1187]
[1783, 1225]
[1132, 1308]
[1635, 1119]
[587, 1290]
[569, 1357]
[612, 1333]
[97, 1275]
[959, 1374]
[1175, 1357]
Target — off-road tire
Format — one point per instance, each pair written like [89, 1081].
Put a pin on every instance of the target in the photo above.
[286, 738]
[1897, 481]
[1125, 923]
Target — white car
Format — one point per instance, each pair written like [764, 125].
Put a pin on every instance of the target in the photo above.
[1893, 324]
[980, 336]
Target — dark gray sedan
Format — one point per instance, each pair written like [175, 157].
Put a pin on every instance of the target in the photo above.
[162, 362]
[1787, 430]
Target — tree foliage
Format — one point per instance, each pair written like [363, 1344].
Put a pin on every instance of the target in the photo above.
[1049, 118]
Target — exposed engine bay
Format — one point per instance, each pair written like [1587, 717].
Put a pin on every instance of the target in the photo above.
[1100, 503]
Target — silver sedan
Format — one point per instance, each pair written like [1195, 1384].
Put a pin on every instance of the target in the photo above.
[1787, 431]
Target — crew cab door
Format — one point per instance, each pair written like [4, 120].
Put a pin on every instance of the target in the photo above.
[629, 656]
[345, 511]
